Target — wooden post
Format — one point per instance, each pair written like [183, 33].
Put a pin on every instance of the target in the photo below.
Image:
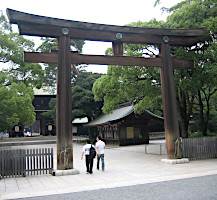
[64, 106]
[169, 101]
[117, 48]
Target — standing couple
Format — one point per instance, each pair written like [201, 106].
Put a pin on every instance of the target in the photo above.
[100, 146]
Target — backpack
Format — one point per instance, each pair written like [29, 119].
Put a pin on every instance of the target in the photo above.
[92, 154]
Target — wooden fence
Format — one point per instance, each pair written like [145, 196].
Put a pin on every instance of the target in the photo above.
[22, 162]
[192, 148]
[199, 148]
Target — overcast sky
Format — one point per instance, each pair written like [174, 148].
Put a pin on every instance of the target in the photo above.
[114, 12]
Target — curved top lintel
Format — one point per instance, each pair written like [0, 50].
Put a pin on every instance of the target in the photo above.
[18, 17]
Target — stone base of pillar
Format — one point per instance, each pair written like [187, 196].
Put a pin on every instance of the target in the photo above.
[57, 172]
[175, 161]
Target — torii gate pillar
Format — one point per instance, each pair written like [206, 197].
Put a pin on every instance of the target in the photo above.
[64, 106]
[169, 101]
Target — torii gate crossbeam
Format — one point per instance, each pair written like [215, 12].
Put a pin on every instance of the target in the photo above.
[65, 30]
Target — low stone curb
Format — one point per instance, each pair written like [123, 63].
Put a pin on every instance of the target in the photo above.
[175, 161]
[57, 172]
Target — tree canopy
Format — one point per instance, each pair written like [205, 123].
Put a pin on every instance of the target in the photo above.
[196, 100]
[15, 104]
[12, 46]
[17, 80]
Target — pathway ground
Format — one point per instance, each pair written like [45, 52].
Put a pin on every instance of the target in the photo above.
[124, 166]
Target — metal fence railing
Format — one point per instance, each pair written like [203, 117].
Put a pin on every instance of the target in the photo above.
[22, 162]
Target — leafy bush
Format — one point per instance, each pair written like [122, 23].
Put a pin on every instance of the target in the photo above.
[199, 134]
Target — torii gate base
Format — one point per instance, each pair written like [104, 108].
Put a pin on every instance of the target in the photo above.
[57, 172]
[175, 161]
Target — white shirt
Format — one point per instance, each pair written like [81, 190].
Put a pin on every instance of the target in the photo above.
[86, 149]
[100, 145]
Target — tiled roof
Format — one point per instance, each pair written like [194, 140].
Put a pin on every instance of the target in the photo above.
[117, 115]
[114, 115]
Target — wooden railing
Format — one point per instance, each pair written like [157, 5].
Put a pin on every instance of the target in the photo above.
[192, 148]
[199, 148]
[22, 162]
[12, 163]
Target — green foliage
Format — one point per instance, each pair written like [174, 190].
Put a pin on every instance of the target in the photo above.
[83, 103]
[199, 134]
[16, 94]
[12, 46]
[197, 99]
[15, 104]
[196, 135]
[212, 122]
[121, 85]
[153, 23]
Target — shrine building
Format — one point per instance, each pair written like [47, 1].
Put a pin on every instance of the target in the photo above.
[123, 127]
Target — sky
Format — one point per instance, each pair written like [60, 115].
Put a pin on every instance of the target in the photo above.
[113, 12]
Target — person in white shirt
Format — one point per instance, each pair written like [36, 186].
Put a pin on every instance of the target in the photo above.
[100, 146]
[86, 151]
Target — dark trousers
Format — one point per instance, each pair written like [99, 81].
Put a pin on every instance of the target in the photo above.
[89, 164]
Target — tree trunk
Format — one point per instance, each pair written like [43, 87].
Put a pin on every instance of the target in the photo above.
[183, 112]
[184, 127]
[202, 120]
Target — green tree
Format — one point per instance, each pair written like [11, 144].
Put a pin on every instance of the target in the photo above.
[83, 103]
[15, 104]
[17, 80]
[197, 99]
[12, 46]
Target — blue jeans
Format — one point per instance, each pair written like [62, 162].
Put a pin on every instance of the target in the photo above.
[102, 160]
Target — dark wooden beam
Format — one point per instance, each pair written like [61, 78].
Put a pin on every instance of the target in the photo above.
[51, 27]
[21, 17]
[37, 57]
[105, 60]
[115, 60]
[105, 36]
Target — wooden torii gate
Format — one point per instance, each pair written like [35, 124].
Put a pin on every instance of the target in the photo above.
[65, 30]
